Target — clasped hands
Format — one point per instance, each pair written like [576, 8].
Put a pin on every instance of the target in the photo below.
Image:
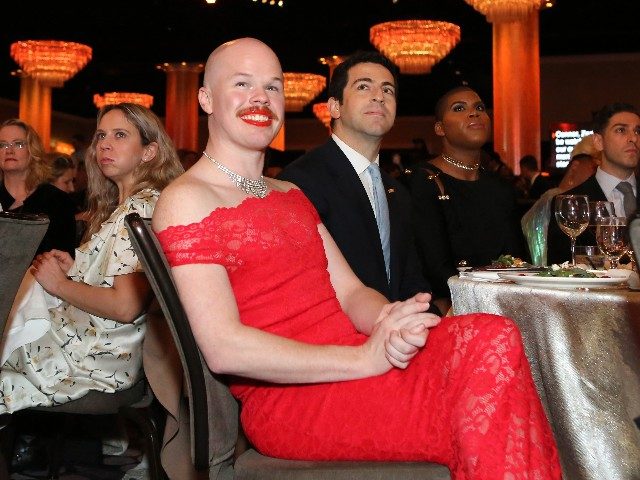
[401, 330]
[50, 269]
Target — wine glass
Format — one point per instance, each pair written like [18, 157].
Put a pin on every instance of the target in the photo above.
[599, 209]
[611, 235]
[572, 215]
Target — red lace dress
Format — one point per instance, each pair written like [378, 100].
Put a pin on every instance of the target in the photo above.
[467, 400]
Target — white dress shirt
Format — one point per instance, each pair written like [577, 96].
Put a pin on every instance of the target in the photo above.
[608, 184]
[360, 163]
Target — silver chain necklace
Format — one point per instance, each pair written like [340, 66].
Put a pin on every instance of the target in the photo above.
[458, 164]
[257, 188]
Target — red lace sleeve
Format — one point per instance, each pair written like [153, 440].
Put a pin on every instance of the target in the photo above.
[194, 243]
[312, 208]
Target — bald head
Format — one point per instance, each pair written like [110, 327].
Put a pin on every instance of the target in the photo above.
[243, 94]
[227, 55]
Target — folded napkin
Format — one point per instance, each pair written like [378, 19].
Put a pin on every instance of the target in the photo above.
[29, 317]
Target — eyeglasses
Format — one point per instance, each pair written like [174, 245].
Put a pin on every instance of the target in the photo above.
[18, 144]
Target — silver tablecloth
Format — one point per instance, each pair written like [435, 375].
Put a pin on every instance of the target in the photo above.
[584, 350]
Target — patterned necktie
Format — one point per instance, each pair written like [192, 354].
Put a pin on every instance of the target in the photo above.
[382, 212]
[629, 198]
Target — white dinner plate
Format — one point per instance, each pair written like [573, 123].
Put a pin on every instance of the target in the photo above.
[533, 280]
[511, 269]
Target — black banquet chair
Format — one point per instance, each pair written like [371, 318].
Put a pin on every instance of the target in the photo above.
[214, 412]
[20, 235]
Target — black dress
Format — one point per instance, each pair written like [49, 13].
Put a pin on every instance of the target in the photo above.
[475, 221]
[55, 204]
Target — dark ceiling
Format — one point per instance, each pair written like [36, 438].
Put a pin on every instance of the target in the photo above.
[130, 37]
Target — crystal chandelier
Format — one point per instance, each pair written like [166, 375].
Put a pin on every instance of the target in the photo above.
[505, 10]
[321, 111]
[50, 61]
[300, 89]
[114, 98]
[415, 45]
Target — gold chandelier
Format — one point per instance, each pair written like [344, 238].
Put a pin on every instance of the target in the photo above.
[114, 98]
[505, 10]
[52, 62]
[321, 111]
[300, 89]
[415, 45]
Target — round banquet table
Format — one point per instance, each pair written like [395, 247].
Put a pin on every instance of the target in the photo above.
[584, 351]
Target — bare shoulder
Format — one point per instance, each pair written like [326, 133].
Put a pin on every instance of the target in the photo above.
[187, 200]
[281, 185]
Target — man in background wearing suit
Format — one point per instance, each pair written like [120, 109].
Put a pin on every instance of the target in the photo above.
[366, 211]
[616, 135]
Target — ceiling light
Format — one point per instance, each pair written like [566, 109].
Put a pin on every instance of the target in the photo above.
[52, 62]
[415, 46]
[505, 10]
[114, 98]
[300, 89]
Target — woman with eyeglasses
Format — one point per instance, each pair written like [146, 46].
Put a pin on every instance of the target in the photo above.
[25, 186]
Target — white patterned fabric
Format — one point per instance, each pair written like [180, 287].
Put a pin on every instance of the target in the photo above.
[81, 351]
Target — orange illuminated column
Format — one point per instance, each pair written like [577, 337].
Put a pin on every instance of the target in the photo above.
[181, 117]
[516, 89]
[35, 107]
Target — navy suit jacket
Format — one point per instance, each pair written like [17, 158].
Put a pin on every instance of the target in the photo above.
[330, 182]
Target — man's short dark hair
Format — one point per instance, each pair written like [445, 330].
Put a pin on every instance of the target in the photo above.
[602, 117]
[529, 162]
[441, 104]
[341, 72]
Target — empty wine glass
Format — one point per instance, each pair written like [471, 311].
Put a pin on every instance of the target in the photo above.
[611, 235]
[572, 215]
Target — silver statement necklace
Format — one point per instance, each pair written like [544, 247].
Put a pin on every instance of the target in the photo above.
[257, 188]
[458, 164]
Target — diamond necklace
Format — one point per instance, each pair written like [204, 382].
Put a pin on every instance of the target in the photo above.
[257, 188]
[458, 164]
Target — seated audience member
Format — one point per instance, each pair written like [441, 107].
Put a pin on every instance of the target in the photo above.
[492, 164]
[616, 130]
[366, 211]
[25, 186]
[320, 363]
[535, 222]
[63, 172]
[536, 182]
[459, 211]
[97, 302]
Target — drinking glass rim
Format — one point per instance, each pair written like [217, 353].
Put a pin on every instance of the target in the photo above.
[613, 220]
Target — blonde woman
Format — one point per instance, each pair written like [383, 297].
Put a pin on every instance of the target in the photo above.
[25, 185]
[63, 172]
[98, 321]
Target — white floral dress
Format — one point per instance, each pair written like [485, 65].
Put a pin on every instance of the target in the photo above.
[81, 351]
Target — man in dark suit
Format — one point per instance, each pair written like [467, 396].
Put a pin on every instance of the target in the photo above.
[616, 136]
[536, 182]
[338, 178]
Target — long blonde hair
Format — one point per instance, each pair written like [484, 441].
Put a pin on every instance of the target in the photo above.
[38, 170]
[102, 193]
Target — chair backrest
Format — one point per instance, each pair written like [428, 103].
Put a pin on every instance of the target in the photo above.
[634, 237]
[20, 235]
[213, 411]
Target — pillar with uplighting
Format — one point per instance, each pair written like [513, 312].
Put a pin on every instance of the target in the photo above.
[45, 64]
[181, 110]
[516, 77]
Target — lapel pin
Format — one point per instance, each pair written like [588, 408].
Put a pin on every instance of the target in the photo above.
[391, 190]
